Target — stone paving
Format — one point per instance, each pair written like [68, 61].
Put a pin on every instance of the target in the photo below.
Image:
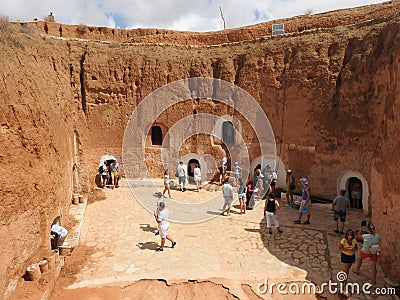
[236, 248]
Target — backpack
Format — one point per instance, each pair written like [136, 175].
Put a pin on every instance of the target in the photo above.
[271, 206]
[101, 169]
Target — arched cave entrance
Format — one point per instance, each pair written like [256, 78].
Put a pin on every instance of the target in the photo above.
[108, 158]
[354, 189]
[190, 169]
[228, 133]
[156, 136]
[356, 186]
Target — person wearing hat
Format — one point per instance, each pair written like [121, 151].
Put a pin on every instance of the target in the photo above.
[290, 187]
[305, 205]
[161, 216]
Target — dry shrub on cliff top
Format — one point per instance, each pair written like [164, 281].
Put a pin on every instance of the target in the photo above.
[81, 29]
[6, 28]
[308, 12]
[7, 31]
[25, 28]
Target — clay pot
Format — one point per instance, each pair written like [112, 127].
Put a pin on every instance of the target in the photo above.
[64, 250]
[43, 265]
[56, 255]
[75, 199]
[34, 272]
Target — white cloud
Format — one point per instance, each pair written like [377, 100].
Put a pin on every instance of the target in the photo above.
[194, 15]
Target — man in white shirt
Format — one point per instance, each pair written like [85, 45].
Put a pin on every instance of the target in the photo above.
[180, 170]
[222, 168]
[163, 225]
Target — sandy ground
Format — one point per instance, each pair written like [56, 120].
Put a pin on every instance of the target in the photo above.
[226, 257]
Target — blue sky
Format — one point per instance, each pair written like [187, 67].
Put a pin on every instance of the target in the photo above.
[192, 15]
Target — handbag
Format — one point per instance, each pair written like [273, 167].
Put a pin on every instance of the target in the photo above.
[304, 210]
[375, 249]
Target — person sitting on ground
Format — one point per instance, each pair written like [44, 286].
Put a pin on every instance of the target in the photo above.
[227, 192]
[241, 195]
[370, 248]
[305, 205]
[58, 233]
[339, 206]
[163, 226]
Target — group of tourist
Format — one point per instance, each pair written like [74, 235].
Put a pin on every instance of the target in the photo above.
[370, 249]
[109, 174]
[349, 243]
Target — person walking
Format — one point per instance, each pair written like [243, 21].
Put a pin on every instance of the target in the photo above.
[163, 226]
[273, 178]
[236, 173]
[104, 174]
[160, 198]
[290, 187]
[242, 195]
[180, 171]
[370, 248]
[339, 207]
[197, 177]
[270, 212]
[223, 164]
[305, 205]
[250, 203]
[348, 247]
[227, 193]
[167, 184]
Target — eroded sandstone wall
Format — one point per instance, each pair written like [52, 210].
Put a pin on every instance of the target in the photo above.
[331, 96]
[36, 137]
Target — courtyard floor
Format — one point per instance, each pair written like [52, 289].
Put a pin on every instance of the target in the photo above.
[232, 251]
